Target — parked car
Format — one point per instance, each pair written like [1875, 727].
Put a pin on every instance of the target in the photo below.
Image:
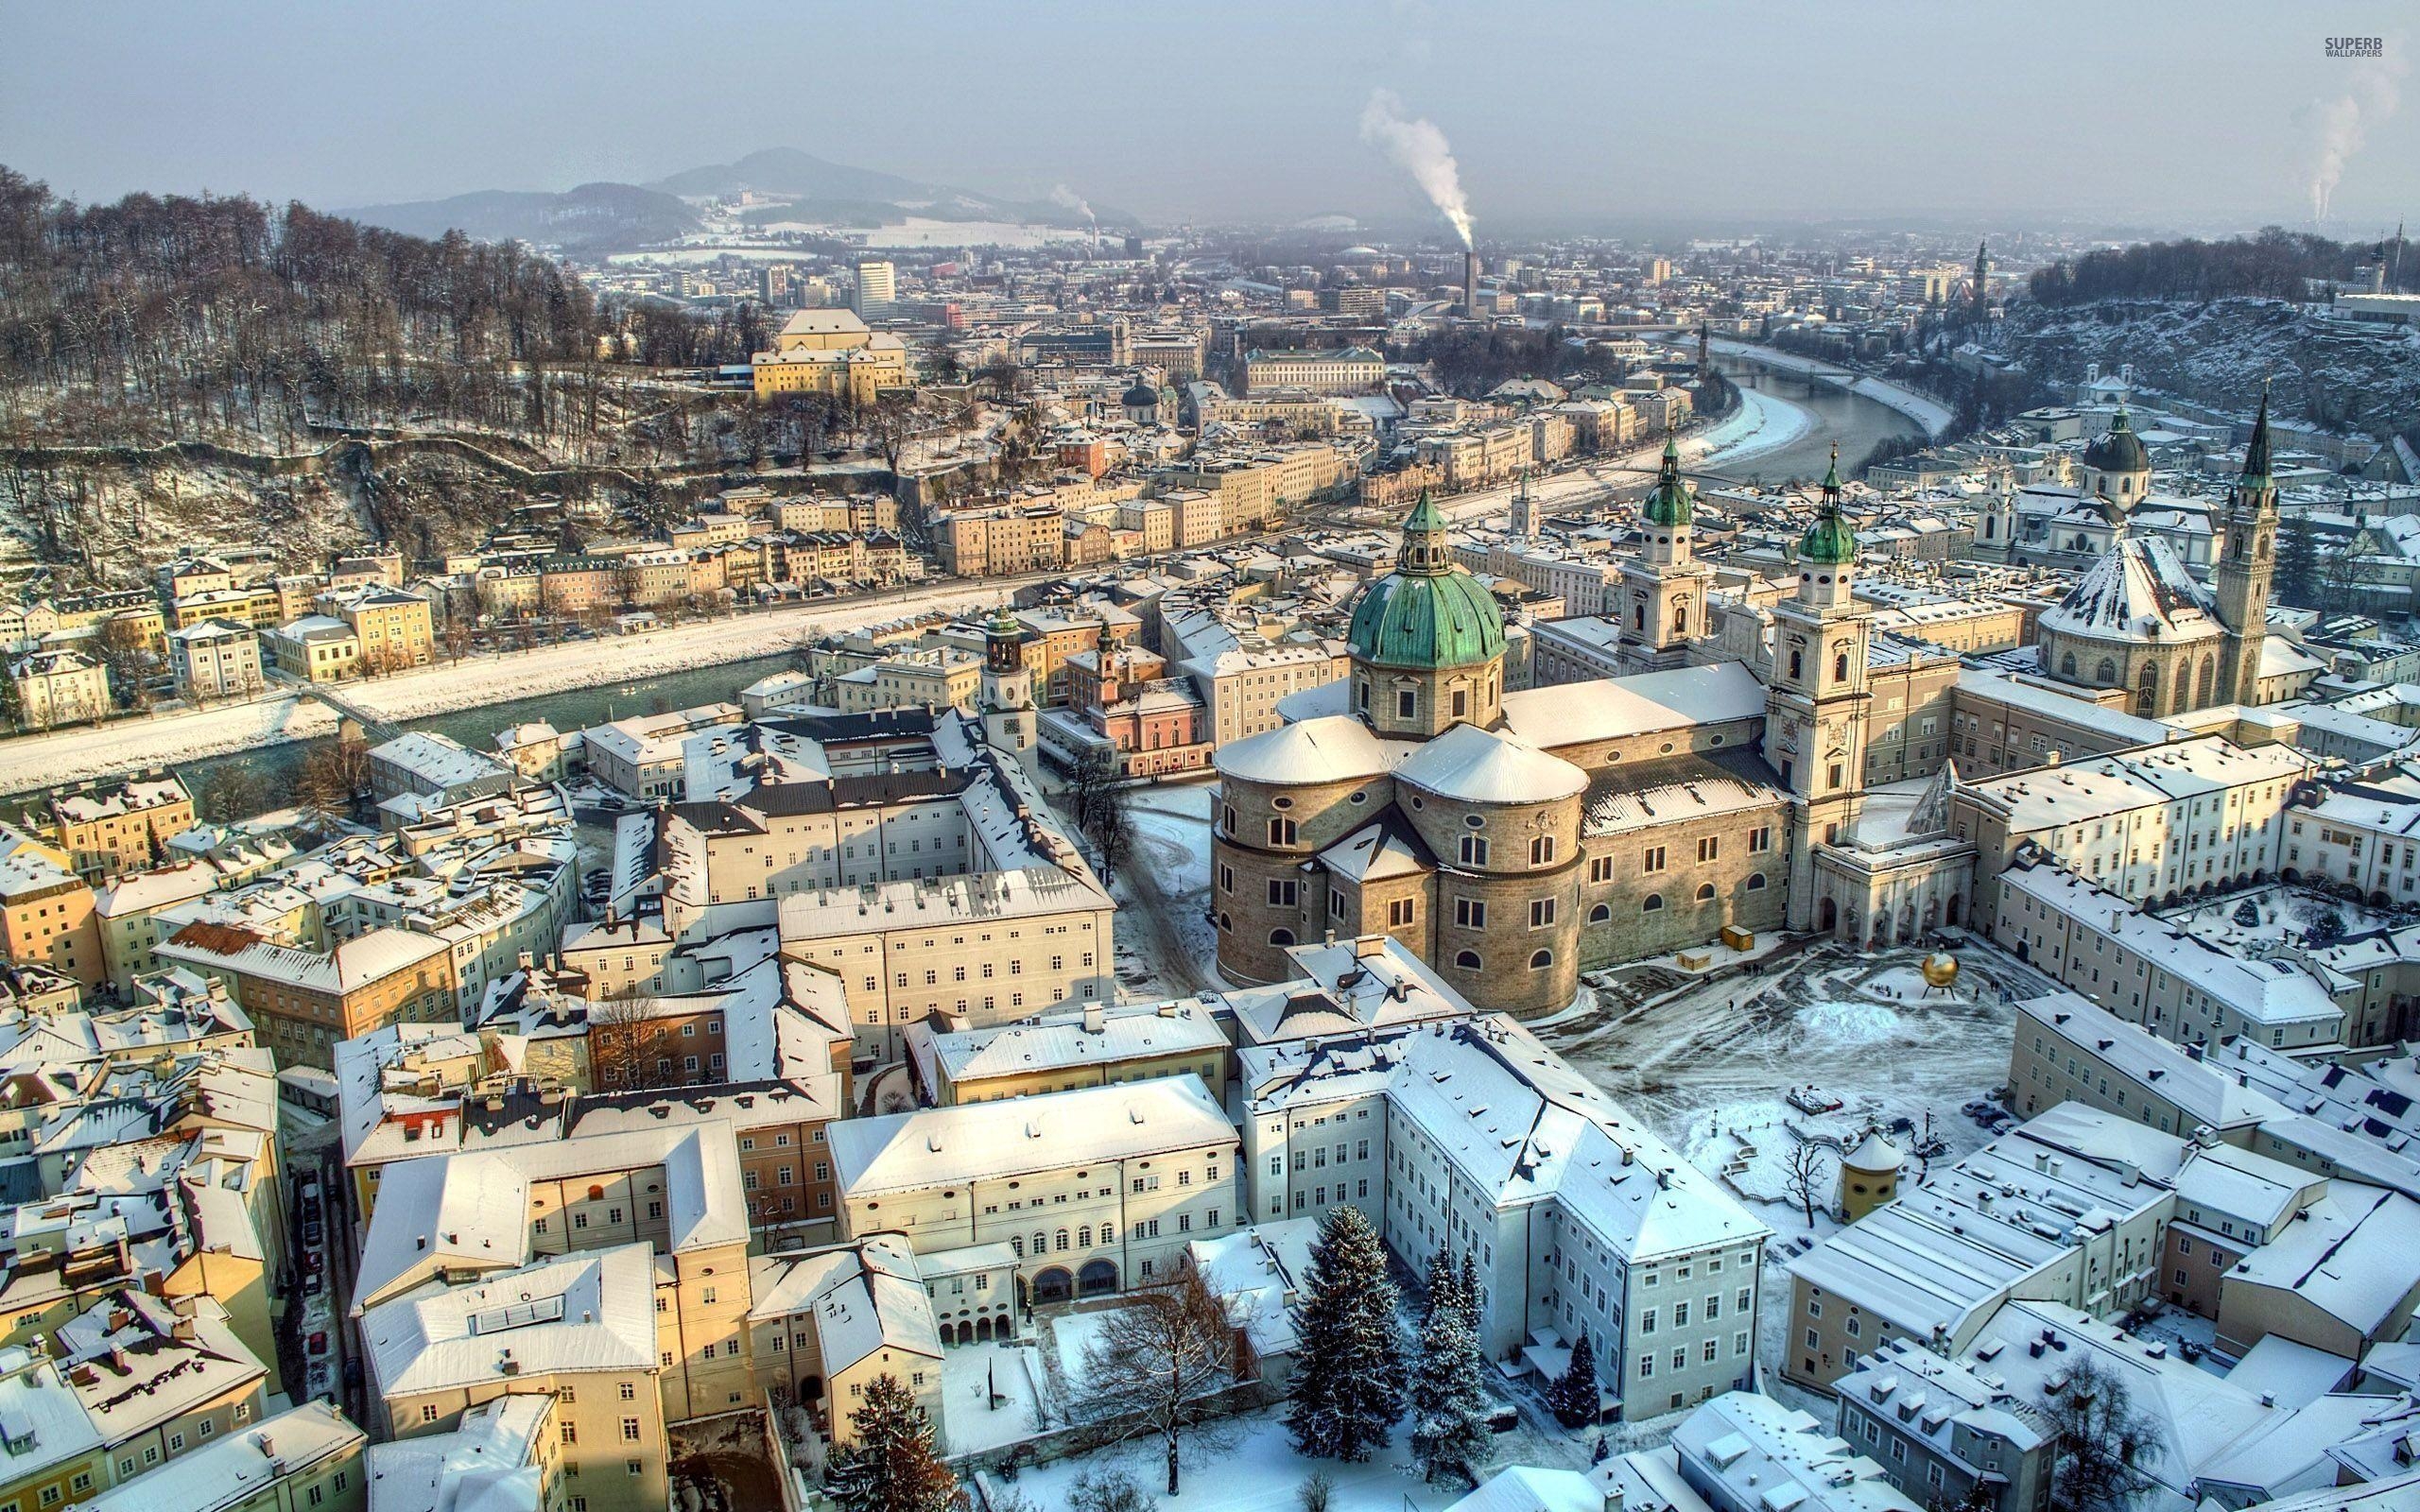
[313, 1233]
[317, 1343]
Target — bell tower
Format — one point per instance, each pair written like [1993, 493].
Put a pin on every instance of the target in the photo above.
[1816, 710]
[2245, 569]
[1661, 600]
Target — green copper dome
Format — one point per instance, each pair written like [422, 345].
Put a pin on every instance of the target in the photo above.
[1427, 614]
[1830, 541]
[1668, 504]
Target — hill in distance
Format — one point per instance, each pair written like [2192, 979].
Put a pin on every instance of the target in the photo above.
[794, 185]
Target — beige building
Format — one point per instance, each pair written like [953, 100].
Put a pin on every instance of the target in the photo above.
[119, 824]
[58, 688]
[303, 1001]
[831, 352]
[391, 626]
[1093, 1191]
[925, 678]
[1094, 1047]
[1349, 371]
[216, 659]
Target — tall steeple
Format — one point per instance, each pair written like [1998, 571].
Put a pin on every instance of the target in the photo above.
[1424, 553]
[1664, 588]
[2248, 566]
[1817, 704]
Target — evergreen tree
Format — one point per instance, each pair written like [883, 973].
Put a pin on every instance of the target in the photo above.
[1573, 1396]
[2298, 581]
[1349, 1372]
[893, 1466]
[1448, 1405]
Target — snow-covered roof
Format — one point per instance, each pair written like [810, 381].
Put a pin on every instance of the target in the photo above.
[1336, 748]
[592, 1310]
[2139, 590]
[1575, 714]
[1474, 766]
[944, 1146]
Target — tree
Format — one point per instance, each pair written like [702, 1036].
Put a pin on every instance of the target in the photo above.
[2298, 569]
[1092, 799]
[1159, 1360]
[1109, 1488]
[2105, 1446]
[893, 1466]
[1573, 1396]
[333, 778]
[1448, 1404]
[1804, 1177]
[623, 1039]
[233, 790]
[1348, 1372]
[125, 651]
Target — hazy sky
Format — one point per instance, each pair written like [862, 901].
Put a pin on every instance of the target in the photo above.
[2156, 114]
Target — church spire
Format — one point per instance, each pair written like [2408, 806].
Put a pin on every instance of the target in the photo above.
[1668, 502]
[2256, 466]
[1423, 540]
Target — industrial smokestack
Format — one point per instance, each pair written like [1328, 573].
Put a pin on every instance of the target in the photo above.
[1470, 284]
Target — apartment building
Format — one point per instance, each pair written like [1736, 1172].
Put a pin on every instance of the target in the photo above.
[1243, 686]
[46, 911]
[1003, 541]
[216, 659]
[305, 1000]
[58, 688]
[1097, 1045]
[117, 824]
[1345, 371]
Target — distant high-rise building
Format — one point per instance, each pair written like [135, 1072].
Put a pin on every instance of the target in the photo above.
[877, 289]
[1134, 248]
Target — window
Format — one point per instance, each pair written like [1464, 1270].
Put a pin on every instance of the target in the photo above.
[1281, 892]
[1540, 960]
[1398, 913]
[1653, 905]
[1760, 840]
[1542, 850]
[1407, 703]
[1541, 912]
[1468, 960]
[1706, 892]
[1281, 831]
[630, 1430]
[1654, 860]
[1709, 847]
[1473, 850]
[1470, 913]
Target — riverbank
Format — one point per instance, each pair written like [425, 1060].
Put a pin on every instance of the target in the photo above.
[73, 755]
[1928, 412]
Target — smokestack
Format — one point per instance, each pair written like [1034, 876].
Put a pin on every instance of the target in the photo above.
[1470, 284]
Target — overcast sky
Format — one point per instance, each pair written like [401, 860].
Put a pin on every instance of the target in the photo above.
[2208, 114]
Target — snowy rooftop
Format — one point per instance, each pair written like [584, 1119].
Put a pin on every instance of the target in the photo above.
[1476, 765]
[1058, 1040]
[594, 1311]
[1778, 1458]
[973, 1141]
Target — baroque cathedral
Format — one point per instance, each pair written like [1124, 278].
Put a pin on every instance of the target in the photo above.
[1795, 776]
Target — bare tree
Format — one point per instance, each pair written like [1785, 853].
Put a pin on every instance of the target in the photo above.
[125, 651]
[2105, 1446]
[334, 777]
[1158, 1363]
[626, 1052]
[1807, 1177]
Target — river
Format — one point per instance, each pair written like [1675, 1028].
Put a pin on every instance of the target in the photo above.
[1825, 414]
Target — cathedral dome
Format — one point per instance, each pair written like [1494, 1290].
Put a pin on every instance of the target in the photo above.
[2118, 451]
[2139, 591]
[1830, 541]
[1445, 620]
[1142, 396]
[1427, 614]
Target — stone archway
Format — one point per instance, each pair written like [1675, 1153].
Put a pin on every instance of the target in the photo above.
[1827, 917]
[982, 1331]
[1097, 1279]
[1053, 1285]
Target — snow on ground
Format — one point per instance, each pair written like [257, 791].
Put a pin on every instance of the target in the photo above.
[1071, 1335]
[1763, 422]
[970, 1374]
[127, 745]
[1706, 1065]
[1167, 946]
[1259, 1471]
[2285, 913]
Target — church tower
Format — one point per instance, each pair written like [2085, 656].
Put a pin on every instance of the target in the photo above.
[1662, 597]
[1816, 709]
[1005, 696]
[2243, 573]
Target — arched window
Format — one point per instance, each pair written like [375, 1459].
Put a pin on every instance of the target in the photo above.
[1756, 881]
[1706, 892]
[2067, 665]
[1654, 905]
[2206, 685]
[1060, 1239]
[1841, 667]
[1542, 850]
[1680, 619]
[1085, 1236]
[1797, 666]
[1468, 960]
[2106, 672]
[1540, 960]
[1638, 616]
[1601, 914]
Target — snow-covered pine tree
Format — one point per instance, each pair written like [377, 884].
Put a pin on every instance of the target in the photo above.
[1349, 1370]
[1448, 1404]
[1573, 1396]
[893, 1467]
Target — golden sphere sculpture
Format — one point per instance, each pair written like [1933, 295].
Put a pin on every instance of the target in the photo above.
[1940, 970]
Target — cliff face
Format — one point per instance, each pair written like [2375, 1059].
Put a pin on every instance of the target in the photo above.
[2337, 375]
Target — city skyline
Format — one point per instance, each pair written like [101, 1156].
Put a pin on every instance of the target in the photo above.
[1684, 117]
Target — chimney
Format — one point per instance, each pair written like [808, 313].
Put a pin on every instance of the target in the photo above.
[1094, 1019]
[1470, 284]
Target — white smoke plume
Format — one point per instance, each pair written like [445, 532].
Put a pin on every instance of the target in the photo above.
[2343, 124]
[1420, 150]
[1066, 198]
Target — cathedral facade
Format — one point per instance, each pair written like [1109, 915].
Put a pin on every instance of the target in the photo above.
[1790, 770]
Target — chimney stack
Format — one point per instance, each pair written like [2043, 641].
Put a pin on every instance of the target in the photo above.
[1470, 284]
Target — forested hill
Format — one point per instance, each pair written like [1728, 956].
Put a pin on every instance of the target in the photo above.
[225, 320]
[2277, 264]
